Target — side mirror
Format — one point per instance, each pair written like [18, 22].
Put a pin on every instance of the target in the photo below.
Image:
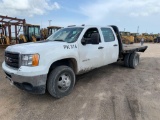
[83, 41]
[95, 38]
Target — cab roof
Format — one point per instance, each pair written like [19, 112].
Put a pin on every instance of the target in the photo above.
[86, 26]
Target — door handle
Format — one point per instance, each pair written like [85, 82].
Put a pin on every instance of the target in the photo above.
[100, 47]
[115, 45]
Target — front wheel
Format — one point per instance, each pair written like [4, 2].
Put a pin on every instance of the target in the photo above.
[61, 81]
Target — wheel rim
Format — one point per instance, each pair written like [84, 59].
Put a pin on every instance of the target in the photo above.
[136, 61]
[64, 82]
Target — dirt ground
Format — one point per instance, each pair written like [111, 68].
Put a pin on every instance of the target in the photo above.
[112, 92]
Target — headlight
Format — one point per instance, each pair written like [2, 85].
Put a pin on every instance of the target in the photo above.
[30, 60]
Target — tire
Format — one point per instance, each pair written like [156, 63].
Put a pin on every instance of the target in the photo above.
[61, 81]
[126, 60]
[134, 60]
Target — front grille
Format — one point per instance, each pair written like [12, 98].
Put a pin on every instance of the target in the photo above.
[12, 59]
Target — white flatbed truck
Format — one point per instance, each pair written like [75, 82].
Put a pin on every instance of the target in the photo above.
[52, 64]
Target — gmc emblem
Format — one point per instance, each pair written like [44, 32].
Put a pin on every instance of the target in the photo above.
[8, 59]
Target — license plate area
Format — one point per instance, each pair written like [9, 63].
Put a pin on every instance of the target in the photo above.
[8, 76]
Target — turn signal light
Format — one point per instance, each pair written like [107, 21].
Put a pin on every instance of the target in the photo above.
[35, 60]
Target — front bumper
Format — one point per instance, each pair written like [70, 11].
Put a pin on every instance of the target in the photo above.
[34, 84]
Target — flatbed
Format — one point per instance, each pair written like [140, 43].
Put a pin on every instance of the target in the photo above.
[126, 49]
[133, 48]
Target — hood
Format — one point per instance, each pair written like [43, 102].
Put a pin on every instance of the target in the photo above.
[35, 47]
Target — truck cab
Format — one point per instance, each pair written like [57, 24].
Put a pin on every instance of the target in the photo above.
[53, 64]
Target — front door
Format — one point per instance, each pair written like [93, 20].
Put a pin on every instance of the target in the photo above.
[90, 55]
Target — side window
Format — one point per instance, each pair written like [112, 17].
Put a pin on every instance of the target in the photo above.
[108, 35]
[88, 33]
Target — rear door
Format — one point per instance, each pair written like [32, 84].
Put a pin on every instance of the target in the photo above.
[111, 46]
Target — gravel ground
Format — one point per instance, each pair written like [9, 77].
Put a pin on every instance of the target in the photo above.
[112, 92]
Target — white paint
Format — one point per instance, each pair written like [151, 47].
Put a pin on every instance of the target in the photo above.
[88, 57]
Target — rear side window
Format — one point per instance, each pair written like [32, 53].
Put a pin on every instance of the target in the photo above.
[108, 34]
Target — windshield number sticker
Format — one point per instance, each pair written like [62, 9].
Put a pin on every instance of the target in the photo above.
[69, 46]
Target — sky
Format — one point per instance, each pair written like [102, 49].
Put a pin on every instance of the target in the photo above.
[126, 14]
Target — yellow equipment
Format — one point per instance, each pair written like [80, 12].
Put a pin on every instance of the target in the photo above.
[155, 36]
[4, 40]
[9, 30]
[136, 37]
[53, 29]
[150, 38]
[147, 37]
[127, 38]
[139, 37]
[31, 33]
[22, 37]
[44, 33]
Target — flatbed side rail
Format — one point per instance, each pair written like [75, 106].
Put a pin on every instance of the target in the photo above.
[134, 49]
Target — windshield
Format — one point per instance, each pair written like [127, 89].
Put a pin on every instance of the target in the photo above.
[37, 31]
[127, 34]
[66, 35]
[31, 31]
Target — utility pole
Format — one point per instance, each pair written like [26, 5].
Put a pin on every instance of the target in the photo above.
[124, 29]
[49, 22]
[138, 29]
[41, 23]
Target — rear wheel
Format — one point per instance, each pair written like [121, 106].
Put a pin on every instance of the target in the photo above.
[61, 81]
[134, 60]
[126, 60]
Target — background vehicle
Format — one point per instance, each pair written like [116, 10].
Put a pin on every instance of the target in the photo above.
[52, 64]
[157, 40]
[31, 33]
[150, 38]
[49, 31]
[4, 40]
[15, 30]
[136, 37]
[127, 38]
[53, 29]
[10, 28]
[44, 33]
[147, 37]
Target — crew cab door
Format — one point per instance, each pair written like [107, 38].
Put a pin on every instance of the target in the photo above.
[90, 54]
[111, 46]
